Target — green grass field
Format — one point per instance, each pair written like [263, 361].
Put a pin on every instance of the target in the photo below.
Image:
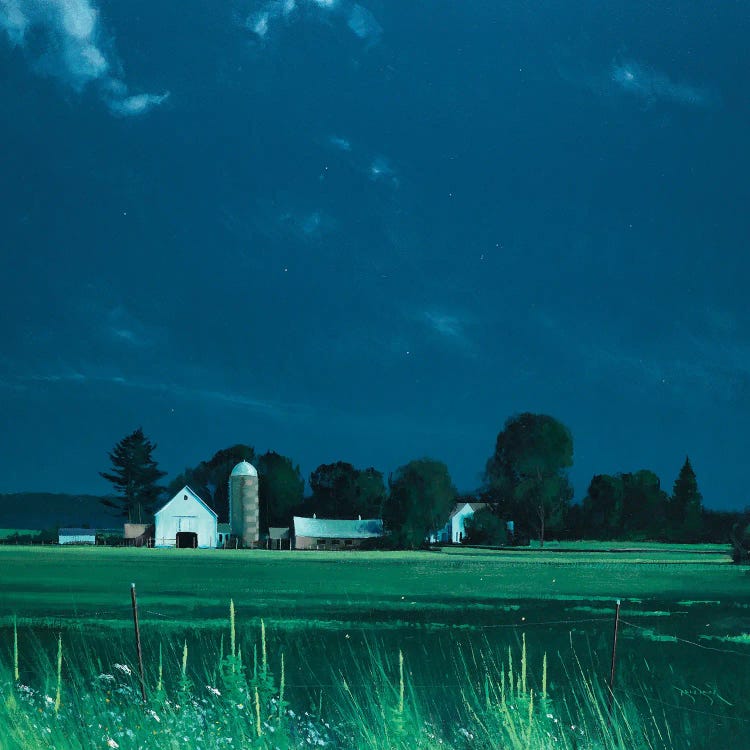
[684, 647]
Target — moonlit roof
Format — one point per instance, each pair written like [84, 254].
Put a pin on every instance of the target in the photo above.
[244, 469]
[326, 528]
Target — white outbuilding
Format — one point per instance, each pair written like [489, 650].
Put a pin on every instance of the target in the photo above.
[76, 536]
[185, 521]
[455, 529]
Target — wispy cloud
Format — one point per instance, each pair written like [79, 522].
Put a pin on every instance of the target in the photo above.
[343, 144]
[363, 23]
[121, 325]
[358, 19]
[444, 324]
[690, 362]
[381, 171]
[448, 330]
[652, 85]
[376, 167]
[137, 104]
[75, 377]
[74, 49]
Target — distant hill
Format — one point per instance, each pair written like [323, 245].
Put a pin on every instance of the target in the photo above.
[44, 510]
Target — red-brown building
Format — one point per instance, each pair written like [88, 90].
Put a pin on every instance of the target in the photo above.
[326, 533]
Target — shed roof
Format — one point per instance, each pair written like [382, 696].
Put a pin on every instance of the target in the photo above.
[278, 532]
[224, 528]
[326, 528]
[77, 532]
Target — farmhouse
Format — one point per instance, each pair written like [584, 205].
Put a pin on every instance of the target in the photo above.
[455, 528]
[324, 533]
[185, 521]
[76, 536]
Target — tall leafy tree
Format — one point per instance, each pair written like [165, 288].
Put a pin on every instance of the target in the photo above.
[529, 471]
[685, 506]
[340, 490]
[210, 479]
[135, 476]
[484, 527]
[644, 506]
[281, 489]
[420, 500]
[602, 515]
[740, 539]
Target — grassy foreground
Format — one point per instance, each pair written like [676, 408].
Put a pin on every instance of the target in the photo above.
[461, 620]
[236, 698]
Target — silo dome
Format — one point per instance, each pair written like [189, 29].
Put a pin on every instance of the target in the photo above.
[244, 469]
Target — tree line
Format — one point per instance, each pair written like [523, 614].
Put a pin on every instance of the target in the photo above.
[525, 481]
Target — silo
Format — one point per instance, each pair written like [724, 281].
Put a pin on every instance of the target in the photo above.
[244, 506]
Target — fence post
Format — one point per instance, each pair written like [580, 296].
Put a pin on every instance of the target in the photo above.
[610, 698]
[138, 640]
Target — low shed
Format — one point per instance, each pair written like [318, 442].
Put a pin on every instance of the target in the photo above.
[326, 533]
[138, 534]
[279, 538]
[76, 536]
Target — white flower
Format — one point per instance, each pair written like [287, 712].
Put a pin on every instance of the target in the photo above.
[106, 677]
[212, 690]
[153, 714]
[124, 668]
[49, 701]
[111, 742]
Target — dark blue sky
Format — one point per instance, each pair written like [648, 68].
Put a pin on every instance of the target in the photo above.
[372, 232]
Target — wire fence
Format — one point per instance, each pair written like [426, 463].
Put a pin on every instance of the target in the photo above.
[125, 611]
[664, 637]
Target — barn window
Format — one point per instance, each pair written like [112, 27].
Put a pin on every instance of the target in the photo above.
[348, 542]
[335, 541]
[321, 541]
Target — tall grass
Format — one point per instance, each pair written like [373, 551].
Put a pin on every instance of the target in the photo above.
[203, 698]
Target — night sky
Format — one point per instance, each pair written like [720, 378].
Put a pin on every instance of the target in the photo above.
[373, 232]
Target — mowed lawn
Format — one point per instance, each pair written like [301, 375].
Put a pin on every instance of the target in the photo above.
[53, 581]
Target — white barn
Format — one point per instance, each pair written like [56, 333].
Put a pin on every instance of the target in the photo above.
[185, 521]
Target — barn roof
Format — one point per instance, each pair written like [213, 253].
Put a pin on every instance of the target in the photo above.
[326, 528]
[187, 491]
[474, 507]
[77, 532]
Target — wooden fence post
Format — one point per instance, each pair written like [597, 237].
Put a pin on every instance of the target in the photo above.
[611, 697]
[138, 640]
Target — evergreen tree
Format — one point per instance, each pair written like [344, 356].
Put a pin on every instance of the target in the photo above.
[135, 476]
[685, 505]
